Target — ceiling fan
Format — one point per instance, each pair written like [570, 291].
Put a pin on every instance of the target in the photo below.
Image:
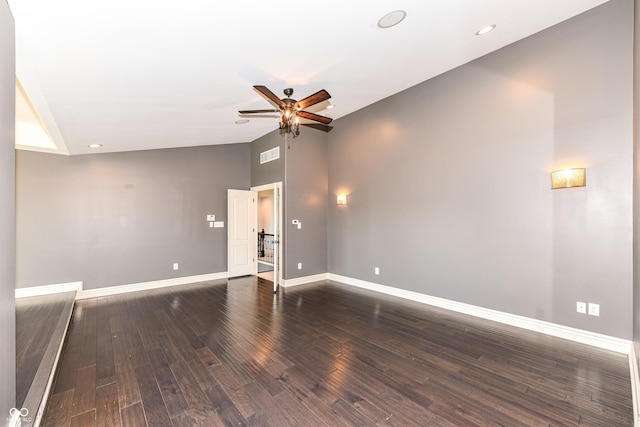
[291, 110]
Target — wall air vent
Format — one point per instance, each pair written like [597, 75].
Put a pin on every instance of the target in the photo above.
[270, 155]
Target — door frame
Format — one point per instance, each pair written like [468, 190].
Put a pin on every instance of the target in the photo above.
[276, 187]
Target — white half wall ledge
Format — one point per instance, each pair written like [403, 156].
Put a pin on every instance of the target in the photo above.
[144, 286]
[35, 291]
[606, 342]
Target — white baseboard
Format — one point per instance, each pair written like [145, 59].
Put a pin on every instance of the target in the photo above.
[635, 384]
[156, 284]
[48, 289]
[618, 345]
[304, 280]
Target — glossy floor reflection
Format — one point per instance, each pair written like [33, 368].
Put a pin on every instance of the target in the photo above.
[233, 353]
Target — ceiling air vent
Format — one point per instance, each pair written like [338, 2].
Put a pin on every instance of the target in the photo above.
[269, 155]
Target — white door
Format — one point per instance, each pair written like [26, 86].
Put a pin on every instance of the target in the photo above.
[242, 240]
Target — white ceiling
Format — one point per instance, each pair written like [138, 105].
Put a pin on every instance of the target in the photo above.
[141, 74]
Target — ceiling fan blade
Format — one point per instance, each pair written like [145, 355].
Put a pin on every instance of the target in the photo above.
[319, 126]
[257, 111]
[269, 96]
[321, 95]
[314, 117]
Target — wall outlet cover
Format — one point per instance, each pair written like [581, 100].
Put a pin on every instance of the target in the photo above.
[594, 309]
[581, 307]
[175, 265]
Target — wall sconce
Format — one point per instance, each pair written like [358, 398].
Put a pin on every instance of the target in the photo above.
[566, 178]
[341, 199]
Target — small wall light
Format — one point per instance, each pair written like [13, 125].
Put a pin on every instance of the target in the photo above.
[566, 178]
[341, 199]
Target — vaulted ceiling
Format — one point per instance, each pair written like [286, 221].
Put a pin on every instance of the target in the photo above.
[140, 74]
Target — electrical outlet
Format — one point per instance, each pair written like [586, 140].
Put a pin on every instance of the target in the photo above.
[376, 270]
[175, 265]
[581, 307]
[299, 266]
[594, 309]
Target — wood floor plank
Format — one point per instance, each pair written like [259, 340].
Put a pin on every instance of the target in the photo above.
[133, 416]
[199, 405]
[105, 367]
[301, 415]
[275, 416]
[234, 391]
[155, 411]
[87, 419]
[127, 384]
[87, 355]
[171, 393]
[107, 409]
[65, 377]
[225, 407]
[202, 375]
[229, 352]
[84, 398]
[59, 409]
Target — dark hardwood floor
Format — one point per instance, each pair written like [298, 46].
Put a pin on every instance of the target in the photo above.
[232, 353]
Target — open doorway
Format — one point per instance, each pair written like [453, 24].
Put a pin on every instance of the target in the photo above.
[266, 235]
[269, 247]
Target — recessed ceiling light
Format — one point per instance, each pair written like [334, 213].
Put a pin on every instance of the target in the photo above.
[485, 30]
[94, 145]
[330, 106]
[242, 121]
[392, 18]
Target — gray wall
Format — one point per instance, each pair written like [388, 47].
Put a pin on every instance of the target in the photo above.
[123, 218]
[302, 168]
[272, 171]
[636, 180]
[306, 200]
[7, 212]
[449, 185]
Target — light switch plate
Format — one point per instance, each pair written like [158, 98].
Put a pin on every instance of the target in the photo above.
[218, 224]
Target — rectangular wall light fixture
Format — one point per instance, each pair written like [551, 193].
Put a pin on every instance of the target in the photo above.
[341, 199]
[567, 178]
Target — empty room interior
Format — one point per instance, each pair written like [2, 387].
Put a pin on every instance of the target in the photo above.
[378, 213]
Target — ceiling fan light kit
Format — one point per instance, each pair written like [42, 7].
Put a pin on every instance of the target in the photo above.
[291, 111]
